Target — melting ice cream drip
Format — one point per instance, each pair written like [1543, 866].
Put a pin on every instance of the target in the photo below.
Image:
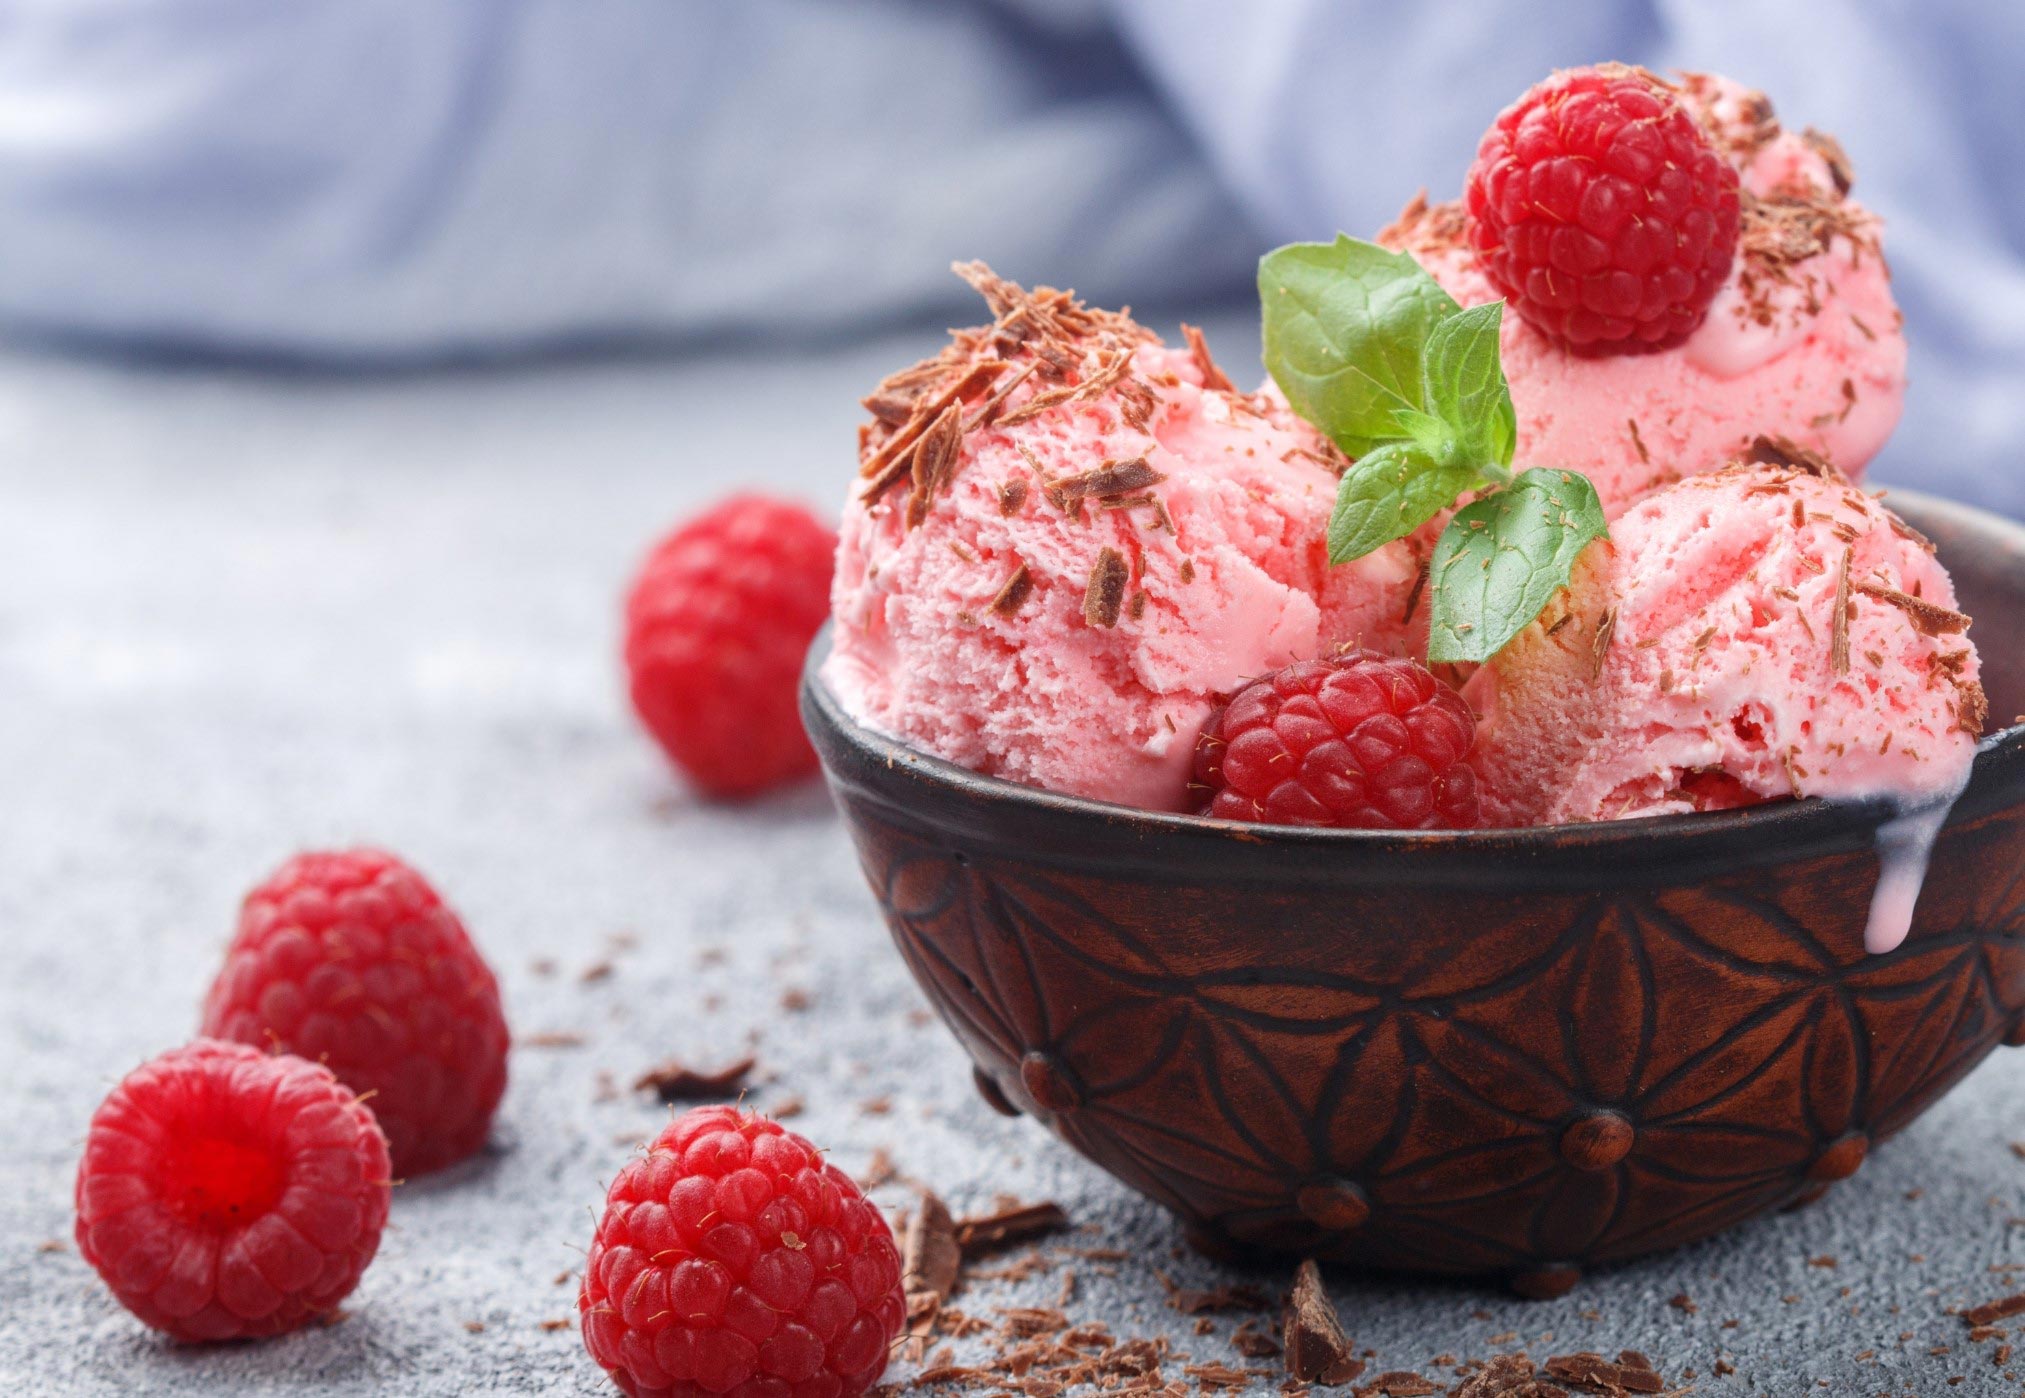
[1905, 844]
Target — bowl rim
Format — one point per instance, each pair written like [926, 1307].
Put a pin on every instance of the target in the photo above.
[1998, 769]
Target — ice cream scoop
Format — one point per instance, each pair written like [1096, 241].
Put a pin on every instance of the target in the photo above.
[1762, 632]
[1069, 540]
[1802, 341]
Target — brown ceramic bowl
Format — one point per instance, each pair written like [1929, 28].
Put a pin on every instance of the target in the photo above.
[1518, 1052]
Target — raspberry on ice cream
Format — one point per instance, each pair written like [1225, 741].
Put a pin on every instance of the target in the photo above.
[1355, 741]
[1599, 207]
[1763, 632]
[1068, 539]
[717, 624]
[350, 958]
[227, 1193]
[1802, 339]
[731, 1259]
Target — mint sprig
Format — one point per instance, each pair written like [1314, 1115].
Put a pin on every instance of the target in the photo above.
[1369, 348]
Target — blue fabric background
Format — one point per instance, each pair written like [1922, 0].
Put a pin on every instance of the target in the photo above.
[392, 181]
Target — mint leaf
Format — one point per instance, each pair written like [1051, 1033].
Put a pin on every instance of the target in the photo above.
[1389, 493]
[1503, 557]
[1344, 326]
[1463, 384]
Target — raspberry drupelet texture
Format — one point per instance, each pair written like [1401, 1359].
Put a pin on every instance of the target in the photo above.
[717, 624]
[351, 959]
[731, 1259]
[1602, 210]
[1356, 740]
[227, 1193]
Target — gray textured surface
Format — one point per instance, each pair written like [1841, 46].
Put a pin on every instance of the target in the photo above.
[238, 616]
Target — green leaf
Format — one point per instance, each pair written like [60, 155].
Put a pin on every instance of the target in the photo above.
[1389, 493]
[1344, 326]
[1463, 383]
[1503, 557]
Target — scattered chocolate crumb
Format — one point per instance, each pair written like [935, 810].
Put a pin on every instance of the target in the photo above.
[786, 1108]
[1104, 598]
[1823, 1261]
[1508, 1376]
[476, 1327]
[675, 1082]
[876, 1106]
[595, 972]
[794, 1000]
[1194, 1301]
[1254, 1343]
[1595, 1374]
[929, 1266]
[1187, 570]
[1014, 594]
[1838, 635]
[551, 1038]
[878, 1170]
[1637, 441]
[1137, 607]
[1399, 1383]
[1684, 1303]
[1317, 1349]
[1011, 495]
[1015, 1223]
[1991, 1312]
[551, 1327]
[542, 966]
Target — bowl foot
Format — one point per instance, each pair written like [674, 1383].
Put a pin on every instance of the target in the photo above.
[993, 1095]
[1546, 1282]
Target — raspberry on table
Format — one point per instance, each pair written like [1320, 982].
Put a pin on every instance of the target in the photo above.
[350, 958]
[1356, 740]
[1601, 209]
[731, 1259]
[717, 624]
[227, 1193]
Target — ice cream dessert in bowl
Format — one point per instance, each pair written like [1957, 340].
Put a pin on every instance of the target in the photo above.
[1501, 797]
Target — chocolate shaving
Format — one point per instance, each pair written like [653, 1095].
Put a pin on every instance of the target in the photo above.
[1198, 348]
[1107, 480]
[1990, 1312]
[935, 462]
[1927, 618]
[985, 413]
[984, 1232]
[930, 1261]
[1195, 1301]
[1774, 450]
[1014, 594]
[1972, 708]
[1508, 1376]
[1399, 1383]
[1106, 374]
[1317, 1349]
[926, 414]
[1104, 598]
[1633, 1373]
[1600, 647]
[674, 1082]
[1011, 495]
[1832, 154]
[1838, 634]
[1638, 441]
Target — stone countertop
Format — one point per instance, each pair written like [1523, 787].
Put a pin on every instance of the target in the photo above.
[242, 614]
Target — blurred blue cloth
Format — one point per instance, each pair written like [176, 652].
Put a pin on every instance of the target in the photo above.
[394, 180]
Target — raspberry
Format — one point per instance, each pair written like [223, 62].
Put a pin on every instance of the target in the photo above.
[1603, 212]
[716, 627]
[1357, 741]
[732, 1260]
[226, 1193]
[351, 959]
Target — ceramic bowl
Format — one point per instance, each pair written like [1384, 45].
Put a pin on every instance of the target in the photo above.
[1511, 1052]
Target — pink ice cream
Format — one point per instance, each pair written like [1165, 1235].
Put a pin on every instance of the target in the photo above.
[1697, 661]
[1803, 341]
[1059, 584]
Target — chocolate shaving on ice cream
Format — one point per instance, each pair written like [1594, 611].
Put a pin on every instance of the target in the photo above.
[1105, 596]
[1212, 377]
[1107, 480]
[1927, 618]
[1014, 594]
